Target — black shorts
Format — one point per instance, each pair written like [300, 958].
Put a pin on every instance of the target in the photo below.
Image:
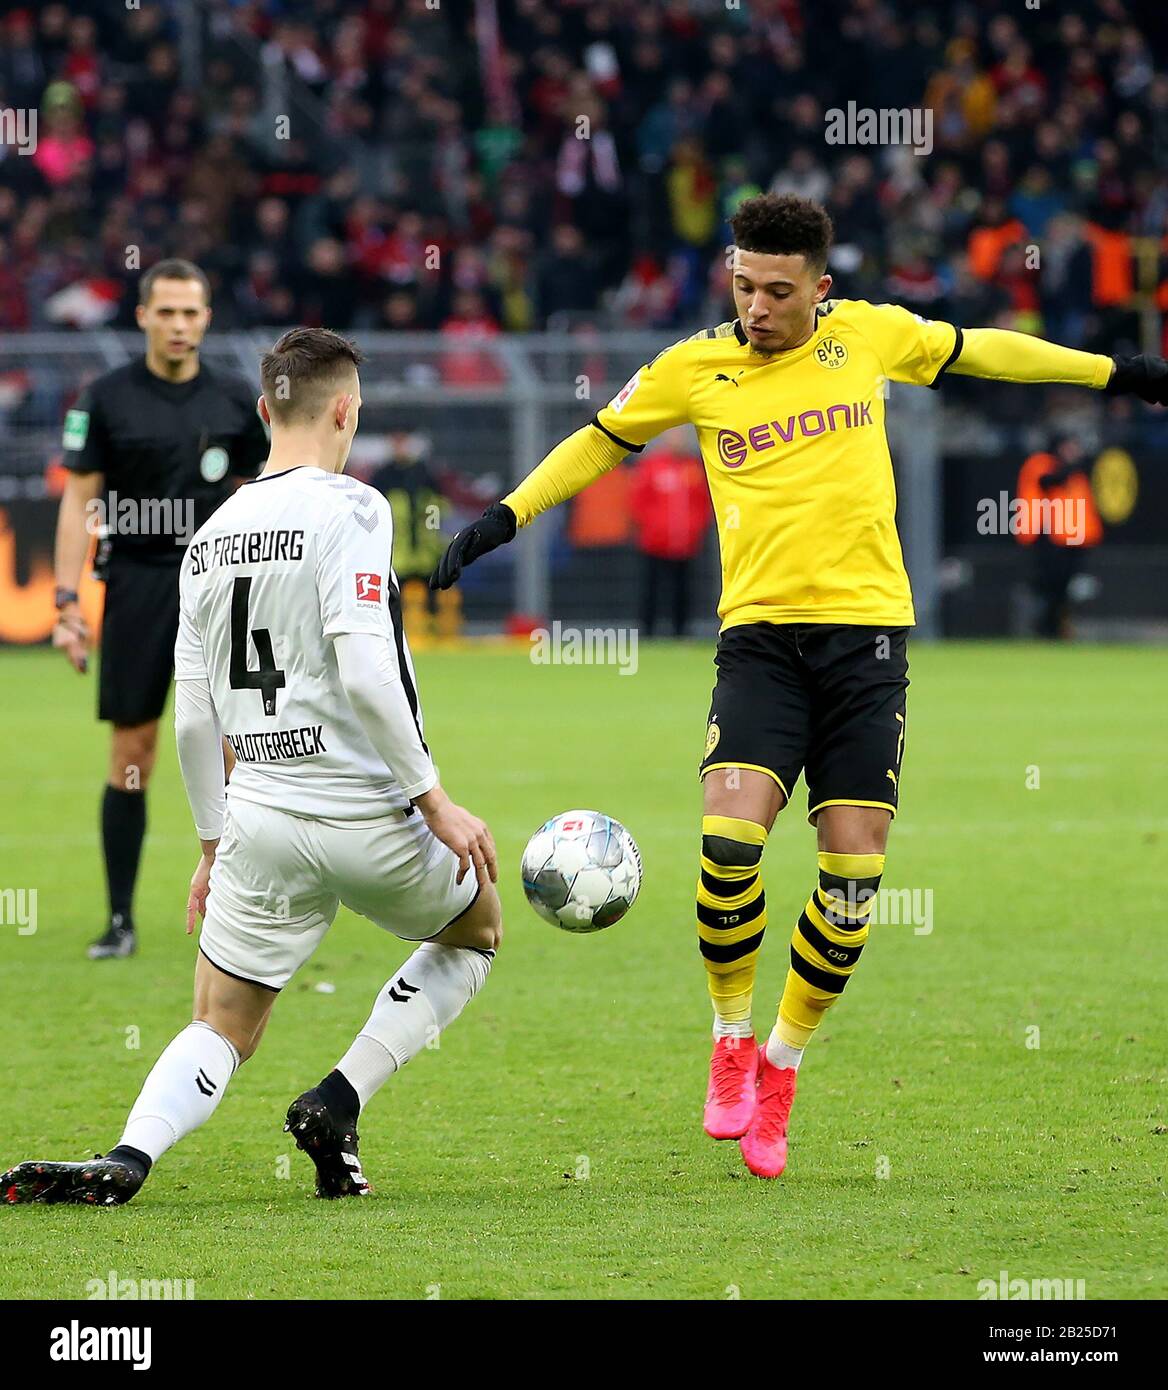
[137, 640]
[826, 699]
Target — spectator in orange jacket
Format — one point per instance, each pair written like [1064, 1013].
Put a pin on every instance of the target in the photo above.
[670, 504]
[1061, 523]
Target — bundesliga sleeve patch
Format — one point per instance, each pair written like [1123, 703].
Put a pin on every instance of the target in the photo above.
[368, 588]
[76, 429]
[621, 399]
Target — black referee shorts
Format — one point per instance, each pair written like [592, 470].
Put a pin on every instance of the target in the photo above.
[137, 640]
[825, 699]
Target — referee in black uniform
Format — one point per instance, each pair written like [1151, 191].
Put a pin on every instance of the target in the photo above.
[152, 449]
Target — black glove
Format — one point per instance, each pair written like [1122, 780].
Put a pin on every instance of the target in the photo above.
[494, 528]
[1143, 376]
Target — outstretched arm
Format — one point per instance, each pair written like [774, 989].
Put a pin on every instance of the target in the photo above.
[655, 398]
[997, 354]
[570, 467]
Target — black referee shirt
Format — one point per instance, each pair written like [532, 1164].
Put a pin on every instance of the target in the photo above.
[164, 444]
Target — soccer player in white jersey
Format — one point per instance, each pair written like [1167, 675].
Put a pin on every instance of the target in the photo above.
[290, 644]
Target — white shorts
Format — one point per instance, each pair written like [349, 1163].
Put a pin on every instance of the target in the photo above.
[278, 878]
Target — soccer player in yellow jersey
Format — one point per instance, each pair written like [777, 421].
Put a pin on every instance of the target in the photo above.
[788, 403]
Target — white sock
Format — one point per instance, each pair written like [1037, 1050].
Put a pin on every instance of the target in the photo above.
[366, 1066]
[781, 1054]
[724, 1029]
[424, 997]
[181, 1092]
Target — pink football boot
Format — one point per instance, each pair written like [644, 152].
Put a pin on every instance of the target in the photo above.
[730, 1098]
[764, 1145]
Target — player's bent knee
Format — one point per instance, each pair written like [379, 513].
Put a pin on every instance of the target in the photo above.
[243, 1043]
[242, 1035]
[729, 853]
[742, 793]
[237, 1010]
[730, 869]
[480, 927]
[853, 829]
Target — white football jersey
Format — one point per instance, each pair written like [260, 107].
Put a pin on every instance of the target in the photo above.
[286, 564]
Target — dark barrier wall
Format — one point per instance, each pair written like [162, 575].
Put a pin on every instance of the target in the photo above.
[988, 571]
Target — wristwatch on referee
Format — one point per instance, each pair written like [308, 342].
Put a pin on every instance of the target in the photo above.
[63, 597]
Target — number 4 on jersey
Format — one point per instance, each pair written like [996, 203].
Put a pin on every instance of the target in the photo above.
[266, 678]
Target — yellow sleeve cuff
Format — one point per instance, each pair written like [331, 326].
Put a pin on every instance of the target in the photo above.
[568, 469]
[997, 354]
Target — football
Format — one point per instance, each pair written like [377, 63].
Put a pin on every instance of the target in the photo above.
[581, 871]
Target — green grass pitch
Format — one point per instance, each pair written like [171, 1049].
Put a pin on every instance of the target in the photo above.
[987, 1096]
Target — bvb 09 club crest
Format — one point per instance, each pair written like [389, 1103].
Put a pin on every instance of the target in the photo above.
[713, 734]
[831, 353]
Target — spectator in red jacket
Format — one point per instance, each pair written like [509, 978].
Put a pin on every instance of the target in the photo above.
[671, 510]
[464, 364]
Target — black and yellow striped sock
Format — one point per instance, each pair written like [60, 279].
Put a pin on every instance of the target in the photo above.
[731, 912]
[827, 942]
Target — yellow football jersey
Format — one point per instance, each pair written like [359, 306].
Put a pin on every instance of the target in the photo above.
[796, 456]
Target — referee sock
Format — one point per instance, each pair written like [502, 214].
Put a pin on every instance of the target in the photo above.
[731, 917]
[825, 948]
[123, 828]
[181, 1092]
[424, 997]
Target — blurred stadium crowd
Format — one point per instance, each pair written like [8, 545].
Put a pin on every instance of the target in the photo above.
[314, 155]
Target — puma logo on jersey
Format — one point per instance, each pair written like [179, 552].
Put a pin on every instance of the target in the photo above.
[733, 380]
[369, 588]
[891, 776]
